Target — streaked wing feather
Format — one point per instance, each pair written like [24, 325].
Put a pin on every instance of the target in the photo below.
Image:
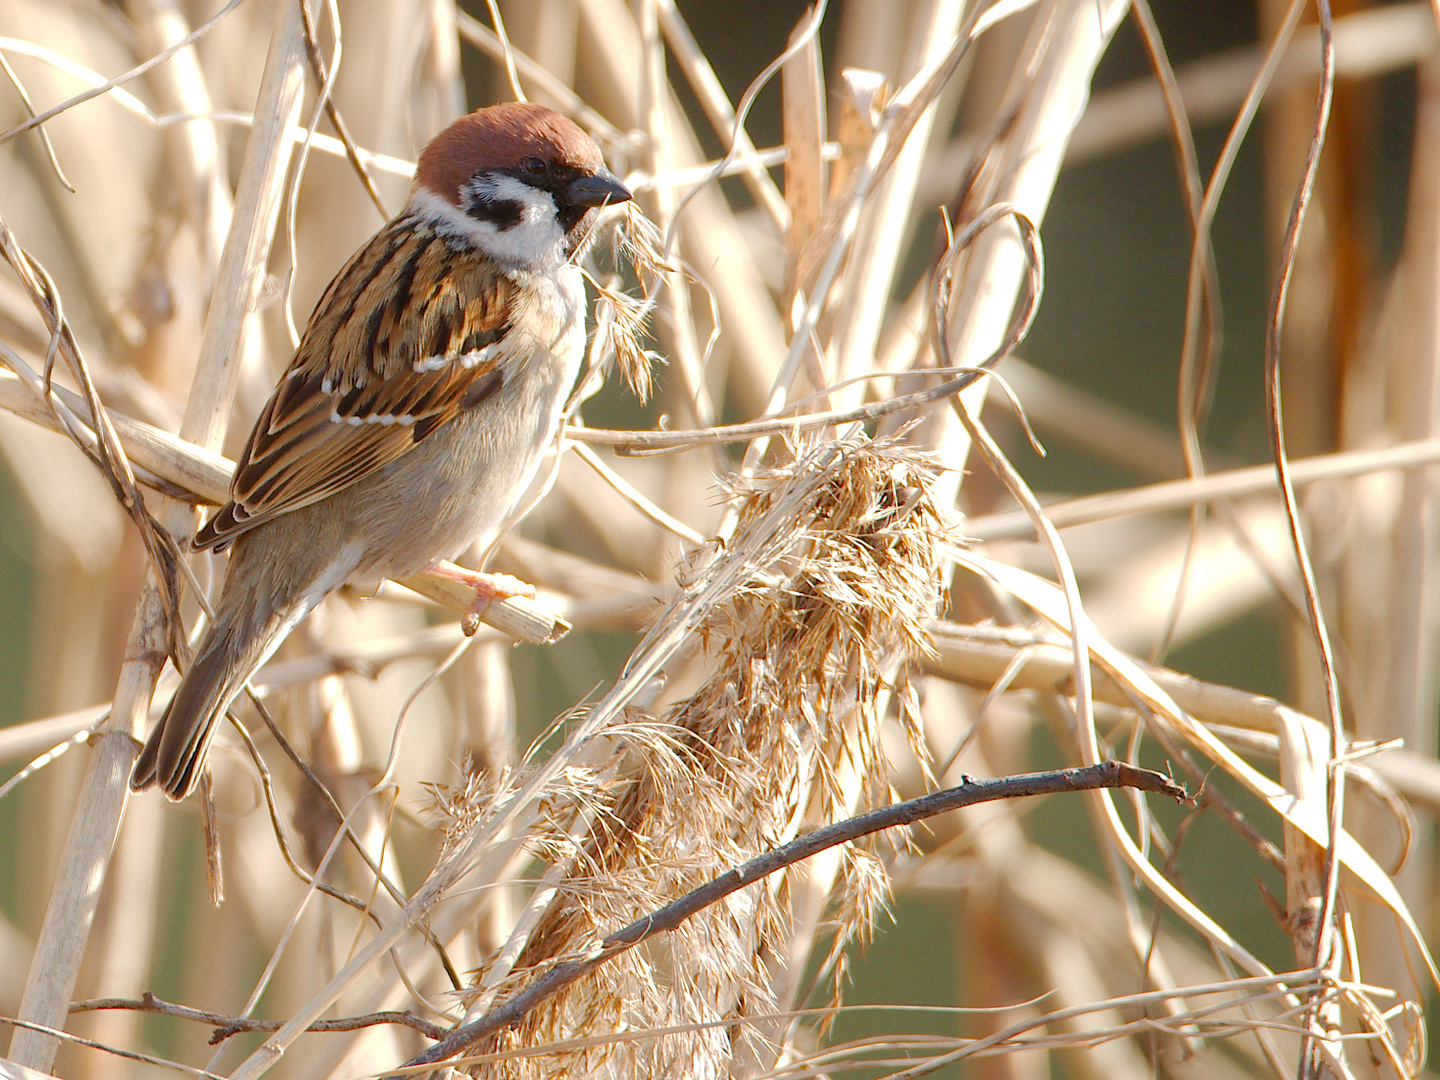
[329, 424]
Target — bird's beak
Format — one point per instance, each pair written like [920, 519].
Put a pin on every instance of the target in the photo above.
[598, 189]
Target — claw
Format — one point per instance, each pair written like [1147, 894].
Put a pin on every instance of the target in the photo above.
[488, 588]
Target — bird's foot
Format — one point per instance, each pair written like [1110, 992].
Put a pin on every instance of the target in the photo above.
[488, 588]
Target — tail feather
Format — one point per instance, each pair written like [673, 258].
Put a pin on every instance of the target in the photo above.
[175, 753]
[277, 574]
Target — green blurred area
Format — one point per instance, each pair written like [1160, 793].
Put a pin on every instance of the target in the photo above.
[16, 579]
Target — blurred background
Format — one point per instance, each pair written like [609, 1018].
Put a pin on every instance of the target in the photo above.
[133, 255]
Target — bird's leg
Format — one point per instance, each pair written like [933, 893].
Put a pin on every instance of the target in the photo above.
[488, 588]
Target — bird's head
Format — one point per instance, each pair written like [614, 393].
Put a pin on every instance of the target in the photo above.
[519, 182]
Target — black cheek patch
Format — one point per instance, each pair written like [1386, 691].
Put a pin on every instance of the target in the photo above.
[502, 213]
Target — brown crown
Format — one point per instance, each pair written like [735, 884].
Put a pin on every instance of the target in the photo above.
[502, 136]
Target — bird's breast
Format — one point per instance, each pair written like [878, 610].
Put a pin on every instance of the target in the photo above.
[465, 481]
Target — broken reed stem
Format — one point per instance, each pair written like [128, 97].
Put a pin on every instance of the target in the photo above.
[978, 656]
[981, 655]
[1106, 774]
[1171, 495]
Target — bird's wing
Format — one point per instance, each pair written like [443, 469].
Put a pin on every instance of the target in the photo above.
[408, 336]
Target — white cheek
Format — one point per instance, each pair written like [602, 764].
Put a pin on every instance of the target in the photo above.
[535, 242]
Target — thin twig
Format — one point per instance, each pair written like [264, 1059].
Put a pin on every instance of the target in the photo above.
[108, 452]
[488, 42]
[315, 881]
[30, 109]
[1326, 952]
[318, 73]
[1108, 774]
[509, 54]
[226, 1026]
[119, 80]
[636, 498]
[1195, 391]
[59, 1036]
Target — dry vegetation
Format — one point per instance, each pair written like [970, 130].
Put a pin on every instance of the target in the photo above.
[799, 585]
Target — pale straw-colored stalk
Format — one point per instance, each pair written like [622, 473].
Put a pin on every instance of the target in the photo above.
[102, 799]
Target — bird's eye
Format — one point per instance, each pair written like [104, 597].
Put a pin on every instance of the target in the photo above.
[533, 165]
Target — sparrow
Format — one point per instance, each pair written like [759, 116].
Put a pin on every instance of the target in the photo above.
[428, 384]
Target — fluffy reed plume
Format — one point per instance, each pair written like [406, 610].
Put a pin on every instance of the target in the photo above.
[621, 317]
[799, 667]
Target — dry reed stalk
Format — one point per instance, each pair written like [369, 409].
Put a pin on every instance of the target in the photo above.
[160, 336]
[1388, 395]
[711, 237]
[97, 815]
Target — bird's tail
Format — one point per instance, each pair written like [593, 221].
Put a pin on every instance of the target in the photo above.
[235, 647]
